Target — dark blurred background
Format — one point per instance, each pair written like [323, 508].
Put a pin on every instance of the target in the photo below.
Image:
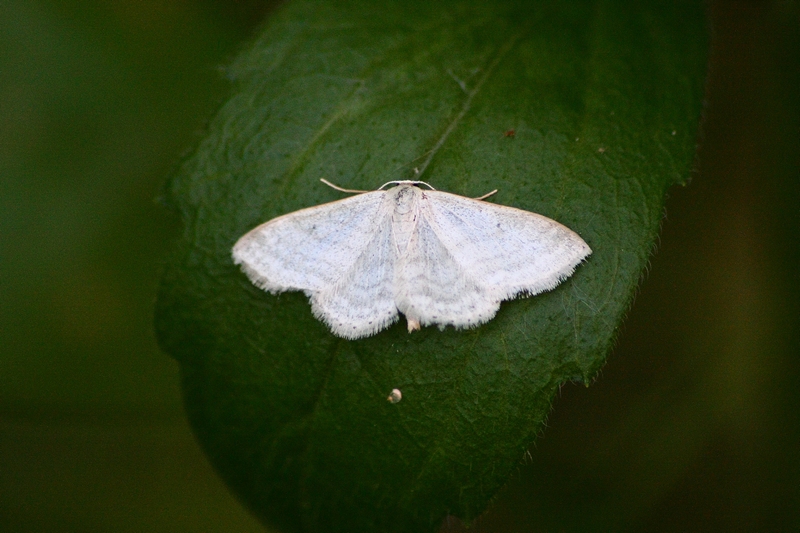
[693, 425]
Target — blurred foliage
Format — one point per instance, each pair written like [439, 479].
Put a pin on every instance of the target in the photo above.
[693, 424]
[97, 101]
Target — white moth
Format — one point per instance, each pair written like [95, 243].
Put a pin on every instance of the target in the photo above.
[436, 257]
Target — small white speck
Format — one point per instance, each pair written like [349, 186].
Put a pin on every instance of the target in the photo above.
[674, 132]
[395, 396]
[601, 150]
[577, 139]
[416, 170]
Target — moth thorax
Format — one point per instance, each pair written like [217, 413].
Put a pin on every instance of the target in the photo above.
[405, 199]
[404, 216]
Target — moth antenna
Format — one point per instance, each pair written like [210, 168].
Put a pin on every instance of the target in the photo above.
[487, 195]
[336, 187]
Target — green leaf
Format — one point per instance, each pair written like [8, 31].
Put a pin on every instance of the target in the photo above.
[604, 98]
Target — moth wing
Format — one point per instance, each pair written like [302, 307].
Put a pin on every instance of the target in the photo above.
[312, 248]
[507, 251]
[338, 253]
[432, 286]
[361, 302]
